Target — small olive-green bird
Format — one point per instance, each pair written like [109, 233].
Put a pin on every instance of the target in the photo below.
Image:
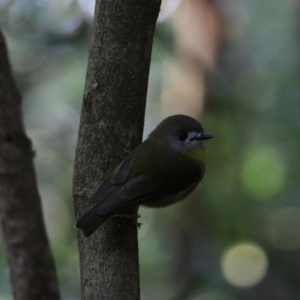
[162, 170]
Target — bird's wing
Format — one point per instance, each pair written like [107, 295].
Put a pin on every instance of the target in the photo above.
[159, 190]
[117, 177]
[135, 192]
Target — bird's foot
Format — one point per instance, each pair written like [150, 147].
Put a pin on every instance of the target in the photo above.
[133, 218]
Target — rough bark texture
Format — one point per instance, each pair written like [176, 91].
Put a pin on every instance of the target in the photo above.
[112, 120]
[32, 269]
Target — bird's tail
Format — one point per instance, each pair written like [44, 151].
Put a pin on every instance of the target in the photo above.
[90, 221]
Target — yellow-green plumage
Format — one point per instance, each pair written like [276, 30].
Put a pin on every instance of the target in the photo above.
[162, 170]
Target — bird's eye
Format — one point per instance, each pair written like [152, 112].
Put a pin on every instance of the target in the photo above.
[182, 136]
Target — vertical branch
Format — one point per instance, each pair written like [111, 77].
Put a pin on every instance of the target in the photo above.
[111, 123]
[32, 269]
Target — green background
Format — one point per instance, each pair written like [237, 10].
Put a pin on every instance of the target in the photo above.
[237, 236]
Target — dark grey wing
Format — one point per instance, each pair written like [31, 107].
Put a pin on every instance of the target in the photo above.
[160, 186]
[135, 192]
[117, 177]
[142, 190]
[91, 220]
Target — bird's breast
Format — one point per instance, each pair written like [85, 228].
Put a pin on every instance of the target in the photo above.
[196, 156]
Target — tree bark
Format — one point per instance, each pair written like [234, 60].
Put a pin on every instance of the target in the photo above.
[111, 124]
[32, 269]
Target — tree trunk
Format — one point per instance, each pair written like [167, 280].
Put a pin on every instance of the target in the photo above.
[32, 269]
[111, 124]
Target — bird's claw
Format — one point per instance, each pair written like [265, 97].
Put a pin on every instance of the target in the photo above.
[133, 218]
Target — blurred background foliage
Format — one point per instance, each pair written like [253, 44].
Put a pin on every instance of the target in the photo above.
[234, 65]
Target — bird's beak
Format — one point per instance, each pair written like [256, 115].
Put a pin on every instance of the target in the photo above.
[206, 136]
[200, 136]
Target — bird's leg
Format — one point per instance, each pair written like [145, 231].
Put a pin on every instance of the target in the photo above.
[134, 217]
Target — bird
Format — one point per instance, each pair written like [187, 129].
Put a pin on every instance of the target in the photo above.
[162, 170]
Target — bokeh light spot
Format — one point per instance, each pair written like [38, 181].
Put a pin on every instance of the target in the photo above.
[263, 173]
[244, 265]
